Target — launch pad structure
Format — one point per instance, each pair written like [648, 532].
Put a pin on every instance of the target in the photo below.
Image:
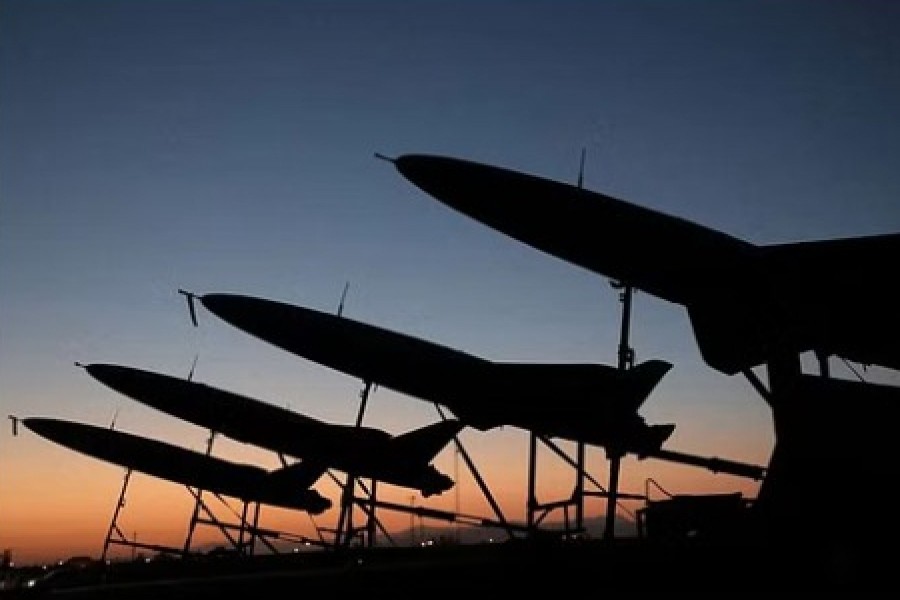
[244, 533]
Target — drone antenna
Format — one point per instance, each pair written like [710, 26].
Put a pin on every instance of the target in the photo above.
[193, 366]
[581, 170]
[340, 309]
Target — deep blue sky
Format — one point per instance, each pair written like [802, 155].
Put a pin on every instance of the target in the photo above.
[229, 146]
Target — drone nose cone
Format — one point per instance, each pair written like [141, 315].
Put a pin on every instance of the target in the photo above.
[135, 383]
[244, 312]
[422, 169]
[38, 425]
[61, 432]
[239, 311]
[221, 304]
[104, 373]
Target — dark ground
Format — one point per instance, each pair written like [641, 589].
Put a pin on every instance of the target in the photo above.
[483, 570]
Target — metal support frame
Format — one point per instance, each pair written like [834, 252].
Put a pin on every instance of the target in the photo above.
[444, 515]
[198, 499]
[626, 361]
[614, 455]
[539, 511]
[249, 532]
[113, 524]
[345, 531]
[479, 480]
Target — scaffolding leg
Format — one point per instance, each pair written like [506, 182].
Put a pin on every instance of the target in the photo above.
[198, 500]
[344, 531]
[113, 526]
[372, 523]
[532, 476]
[479, 480]
[579, 490]
[198, 495]
[609, 532]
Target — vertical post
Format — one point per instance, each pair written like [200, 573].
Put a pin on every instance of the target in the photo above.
[579, 482]
[255, 530]
[615, 463]
[532, 468]
[198, 501]
[412, 521]
[112, 524]
[345, 520]
[626, 358]
[241, 543]
[579, 489]
[371, 523]
[456, 493]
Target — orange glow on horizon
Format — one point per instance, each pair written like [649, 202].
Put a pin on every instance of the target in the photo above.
[73, 519]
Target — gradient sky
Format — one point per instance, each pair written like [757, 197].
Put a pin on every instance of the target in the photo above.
[147, 146]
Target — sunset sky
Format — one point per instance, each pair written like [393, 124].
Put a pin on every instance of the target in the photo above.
[228, 146]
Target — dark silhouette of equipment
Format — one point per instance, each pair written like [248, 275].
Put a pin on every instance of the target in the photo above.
[401, 460]
[289, 487]
[590, 403]
[743, 299]
[544, 397]
[750, 306]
